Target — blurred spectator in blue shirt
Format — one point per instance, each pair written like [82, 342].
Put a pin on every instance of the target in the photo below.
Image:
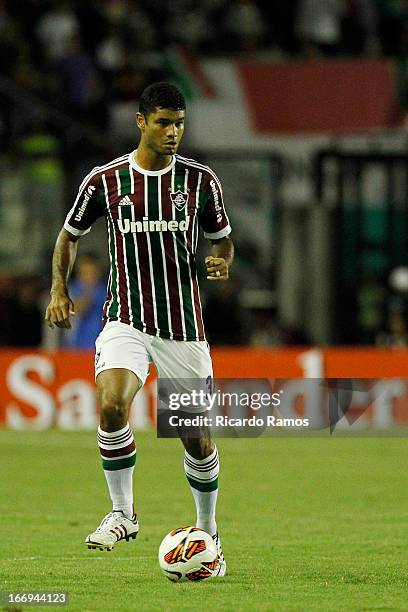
[88, 292]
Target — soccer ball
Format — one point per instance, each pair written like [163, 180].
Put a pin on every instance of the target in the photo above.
[188, 553]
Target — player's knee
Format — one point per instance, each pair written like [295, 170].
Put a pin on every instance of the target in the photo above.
[199, 448]
[114, 408]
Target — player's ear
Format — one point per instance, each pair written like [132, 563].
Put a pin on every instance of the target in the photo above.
[140, 121]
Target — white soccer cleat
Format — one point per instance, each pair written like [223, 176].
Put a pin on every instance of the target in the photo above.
[114, 527]
[222, 564]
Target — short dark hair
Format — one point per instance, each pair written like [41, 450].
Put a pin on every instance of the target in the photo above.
[161, 95]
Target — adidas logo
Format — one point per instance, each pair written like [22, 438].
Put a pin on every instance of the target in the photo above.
[126, 201]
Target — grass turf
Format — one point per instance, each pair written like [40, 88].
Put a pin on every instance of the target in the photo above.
[307, 524]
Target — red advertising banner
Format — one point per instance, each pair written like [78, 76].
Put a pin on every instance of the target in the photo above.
[339, 96]
[39, 390]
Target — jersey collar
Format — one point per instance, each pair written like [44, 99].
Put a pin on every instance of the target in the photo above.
[135, 166]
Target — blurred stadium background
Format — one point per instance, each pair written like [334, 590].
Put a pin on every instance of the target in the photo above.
[300, 106]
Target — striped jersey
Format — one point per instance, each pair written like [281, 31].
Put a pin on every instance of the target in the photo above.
[153, 220]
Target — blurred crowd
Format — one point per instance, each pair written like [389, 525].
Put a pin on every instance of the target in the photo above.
[93, 58]
[229, 319]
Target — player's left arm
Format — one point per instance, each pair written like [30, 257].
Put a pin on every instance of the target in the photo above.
[216, 226]
[220, 261]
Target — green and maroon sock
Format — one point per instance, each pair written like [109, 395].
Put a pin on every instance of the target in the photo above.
[118, 452]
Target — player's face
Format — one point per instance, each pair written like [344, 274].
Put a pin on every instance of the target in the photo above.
[162, 130]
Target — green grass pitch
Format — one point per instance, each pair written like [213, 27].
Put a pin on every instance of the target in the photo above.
[307, 524]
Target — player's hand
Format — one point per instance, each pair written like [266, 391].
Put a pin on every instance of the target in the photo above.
[217, 268]
[59, 310]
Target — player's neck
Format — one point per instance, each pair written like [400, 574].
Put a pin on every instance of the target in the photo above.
[148, 160]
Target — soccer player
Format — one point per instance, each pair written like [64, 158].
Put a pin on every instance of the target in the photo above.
[153, 201]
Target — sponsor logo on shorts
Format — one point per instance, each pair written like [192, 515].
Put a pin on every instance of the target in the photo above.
[98, 363]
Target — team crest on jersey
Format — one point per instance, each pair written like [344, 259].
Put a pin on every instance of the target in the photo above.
[179, 199]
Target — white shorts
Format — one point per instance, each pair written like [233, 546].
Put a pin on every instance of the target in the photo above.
[122, 346]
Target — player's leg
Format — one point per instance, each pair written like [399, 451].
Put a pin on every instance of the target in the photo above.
[201, 466]
[116, 391]
[121, 367]
[190, 362]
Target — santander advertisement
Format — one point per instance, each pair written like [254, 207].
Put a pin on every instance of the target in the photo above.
[40, 390]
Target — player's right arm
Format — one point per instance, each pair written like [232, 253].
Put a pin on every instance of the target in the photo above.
[86, 209]
[61, 307]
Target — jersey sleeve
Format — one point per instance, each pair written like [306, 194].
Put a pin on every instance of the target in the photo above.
[213, 218]
[87, 206]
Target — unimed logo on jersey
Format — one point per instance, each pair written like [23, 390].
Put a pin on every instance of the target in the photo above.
[216, 197]
[146, 225]
[87, 197]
